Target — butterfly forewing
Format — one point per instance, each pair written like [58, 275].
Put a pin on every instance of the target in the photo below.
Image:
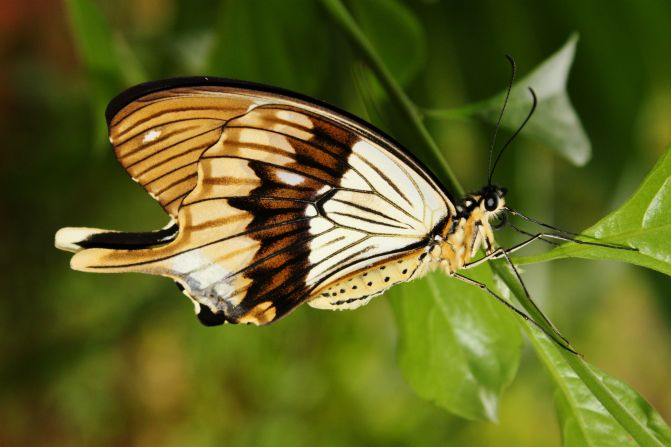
[159, 138]
[278, 200]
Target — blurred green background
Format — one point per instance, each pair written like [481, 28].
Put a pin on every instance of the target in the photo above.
[121, 360]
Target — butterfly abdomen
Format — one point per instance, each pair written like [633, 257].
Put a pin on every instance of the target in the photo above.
[359, 288]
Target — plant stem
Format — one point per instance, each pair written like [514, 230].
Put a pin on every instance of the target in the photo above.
[638, 432]
[396, 93]
[467, 111]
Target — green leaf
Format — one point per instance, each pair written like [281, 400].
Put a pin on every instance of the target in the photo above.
[643, 222]
[578, 381]
[265, 41]
[555, 123]
[93, 38]
[584, 421]
[404, 50]
[457, 346]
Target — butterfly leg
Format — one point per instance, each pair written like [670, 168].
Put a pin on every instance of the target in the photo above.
[502, 253]
[562, 235]
[499, 252]
[528, 296]
[555, 336]
[550, 238]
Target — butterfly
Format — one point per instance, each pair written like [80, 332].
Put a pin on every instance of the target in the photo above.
[277, 199]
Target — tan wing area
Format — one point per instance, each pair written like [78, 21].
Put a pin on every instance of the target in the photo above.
[159, 138]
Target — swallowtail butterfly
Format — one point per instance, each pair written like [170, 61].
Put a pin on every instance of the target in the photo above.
[275, 200]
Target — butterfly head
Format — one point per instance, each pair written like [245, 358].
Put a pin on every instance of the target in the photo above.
[489, 203]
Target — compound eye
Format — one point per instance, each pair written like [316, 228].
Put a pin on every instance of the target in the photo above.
[491, 203]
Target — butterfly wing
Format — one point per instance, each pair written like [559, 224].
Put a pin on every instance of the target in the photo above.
[291, 198]
[159, 138]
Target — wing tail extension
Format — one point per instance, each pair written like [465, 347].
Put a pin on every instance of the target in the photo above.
[113, 251]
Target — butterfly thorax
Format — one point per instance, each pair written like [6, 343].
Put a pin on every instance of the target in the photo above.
[471, 228]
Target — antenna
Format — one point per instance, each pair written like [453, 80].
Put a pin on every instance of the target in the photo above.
[513, 68]
[519, 129]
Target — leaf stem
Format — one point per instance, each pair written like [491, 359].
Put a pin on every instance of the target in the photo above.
[340, 14]
[467, 111]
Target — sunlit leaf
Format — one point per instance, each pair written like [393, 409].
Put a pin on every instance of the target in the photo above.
[643, 222]
[555, 122]
[584, 420]
[458, 347]
[590, 404]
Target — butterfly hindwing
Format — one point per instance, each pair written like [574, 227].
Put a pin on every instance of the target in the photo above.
[289, 200]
